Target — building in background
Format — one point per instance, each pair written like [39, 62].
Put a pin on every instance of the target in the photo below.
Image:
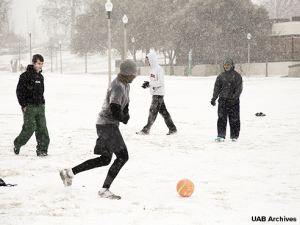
[285, 39]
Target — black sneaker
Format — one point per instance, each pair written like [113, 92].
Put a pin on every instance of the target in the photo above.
[42, 154]
[16, 150]
[142, 132]
[172, 132]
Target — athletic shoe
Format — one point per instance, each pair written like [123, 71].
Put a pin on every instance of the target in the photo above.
[42, 154]
[143, 132]
[219, 139]
[16, 150]
[234, 140]
[108, 194]
[260, 114]
[66, 176]
[172, 132]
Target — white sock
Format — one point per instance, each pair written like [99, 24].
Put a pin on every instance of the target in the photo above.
[103, 189]
[70, 173]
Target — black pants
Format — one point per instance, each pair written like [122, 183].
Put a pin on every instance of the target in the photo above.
[233, 113]
[158, 106]
[109, 141]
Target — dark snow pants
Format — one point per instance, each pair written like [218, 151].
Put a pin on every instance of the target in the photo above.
[109, 142]
[34, 121]
[233, 113]
[158, 106]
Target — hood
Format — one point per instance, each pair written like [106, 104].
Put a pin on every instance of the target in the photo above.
[31, 68]
[153, 60]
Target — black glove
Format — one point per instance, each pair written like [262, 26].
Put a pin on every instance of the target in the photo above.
[145, 84]
[126, 109]
[126, 117]
[118, 114]
[213, 102]
[231, 102]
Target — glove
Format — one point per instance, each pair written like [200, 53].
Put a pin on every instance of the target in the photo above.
[231, 102]
[145, 84]
[126, 117]
[213, 102]
[126, 109]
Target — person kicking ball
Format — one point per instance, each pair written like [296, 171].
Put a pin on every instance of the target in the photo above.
[110, 141]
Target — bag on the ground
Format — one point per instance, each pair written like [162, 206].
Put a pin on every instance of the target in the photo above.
[2, 183]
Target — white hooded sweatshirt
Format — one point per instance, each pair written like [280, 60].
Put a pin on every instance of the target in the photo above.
[157, 76]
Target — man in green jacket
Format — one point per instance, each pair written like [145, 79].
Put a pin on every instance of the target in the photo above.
[30, 94]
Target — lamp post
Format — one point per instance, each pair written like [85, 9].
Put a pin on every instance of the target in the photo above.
[133, 40]
[109, 7]
[190, 62]
[60, 56]
[249, 38]
[30, 60]
[125, 20]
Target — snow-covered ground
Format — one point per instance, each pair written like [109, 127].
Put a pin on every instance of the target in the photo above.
[257, 176]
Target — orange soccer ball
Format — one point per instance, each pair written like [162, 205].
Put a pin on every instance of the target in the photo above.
[185, 188]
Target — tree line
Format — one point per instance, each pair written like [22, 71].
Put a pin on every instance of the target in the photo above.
[211, 29]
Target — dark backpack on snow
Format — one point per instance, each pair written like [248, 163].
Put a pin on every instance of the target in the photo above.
[2, 183]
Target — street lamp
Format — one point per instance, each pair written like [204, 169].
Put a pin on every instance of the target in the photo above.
[59, 42]
[109, 7]
[249, 38]
[133, 40]
[125, 20]
[30, 47]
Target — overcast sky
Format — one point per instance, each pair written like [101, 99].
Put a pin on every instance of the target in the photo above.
[25, 17]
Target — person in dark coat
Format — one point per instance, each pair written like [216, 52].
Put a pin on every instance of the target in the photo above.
[228, 88]
[110, 141]
[11, 65]
[21, 68]
[30, 94]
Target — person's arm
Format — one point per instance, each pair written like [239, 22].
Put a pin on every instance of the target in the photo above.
[217, 89]
[239, 87]
[160, 79]
[21, 92]
[118, 114]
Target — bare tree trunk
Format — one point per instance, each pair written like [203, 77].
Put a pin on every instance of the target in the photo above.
[73, 18]
[85, 62]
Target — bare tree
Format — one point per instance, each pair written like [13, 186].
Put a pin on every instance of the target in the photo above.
[63, 13]
[281, 8]
[4, 16]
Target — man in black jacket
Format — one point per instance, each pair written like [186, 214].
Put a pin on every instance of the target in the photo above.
[30, 94]
[110, 141]
[228, 88]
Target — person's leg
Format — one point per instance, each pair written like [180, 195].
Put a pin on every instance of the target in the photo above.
[153, 111]
[91, 164]
[122, 158]
[41, 133]
[166, 115]
[222, 118]
[29, 126]
[234, 120]
[104, 160]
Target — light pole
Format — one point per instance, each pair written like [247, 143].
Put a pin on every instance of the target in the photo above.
[125, 20]
[109, 7]
[30, 60]
[60, 56]
[249, 38]
[190, 62]
[133, 40]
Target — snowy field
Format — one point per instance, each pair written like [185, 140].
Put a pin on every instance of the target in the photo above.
[257, 176]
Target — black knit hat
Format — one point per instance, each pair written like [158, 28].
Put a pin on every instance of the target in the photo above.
[128, 67]
[228, 62]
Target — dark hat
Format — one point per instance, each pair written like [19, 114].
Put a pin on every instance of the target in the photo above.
[128, 67]
[228, 62]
